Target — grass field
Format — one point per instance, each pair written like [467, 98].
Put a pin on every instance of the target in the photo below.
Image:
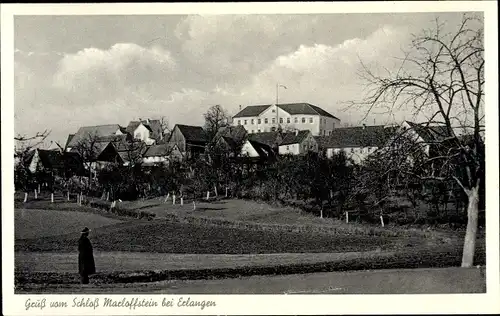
[46, 238]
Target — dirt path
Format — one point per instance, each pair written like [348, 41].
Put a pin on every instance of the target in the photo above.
[406, 281]
[132, 261]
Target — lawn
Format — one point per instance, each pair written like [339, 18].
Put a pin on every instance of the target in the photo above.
[34, 223]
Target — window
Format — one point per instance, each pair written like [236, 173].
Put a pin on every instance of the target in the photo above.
[296, 120]
[258, 131]
[324, 133]
[252, 121]
[352, 150]
[333, 125]
[258, 121]
[303, 120]
[265, 120]
[274, 111]
[245, 122]
[288, 120]
[310, 120]
[273, 129]
[252, 131]
[274, 120]
[287, 147]
[239, 122]
[281, 120]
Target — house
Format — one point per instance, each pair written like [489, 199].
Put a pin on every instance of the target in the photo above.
[297, 143]
[190, 140]
[55, 162]
[431, 137]
[357, 142]
[231, 138]
[287, 116]
[255, 152]
[88, 132]
[156, 154]
[149, 131]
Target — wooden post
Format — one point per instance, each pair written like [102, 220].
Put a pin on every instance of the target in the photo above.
[36, 194]
[208, 195]
[51, 197]
[194, 206]
[347, 217]
[107, 196]
[39, 188]
[226, 191]
[215, 190]
[67, 195]
[321, 214]
[173, 199]
[25, 197]
[182, 201]
[382, 220]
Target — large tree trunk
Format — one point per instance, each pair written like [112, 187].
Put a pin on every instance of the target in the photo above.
[472, 224]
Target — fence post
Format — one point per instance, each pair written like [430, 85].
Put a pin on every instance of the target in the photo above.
[67, 195]
[25, 197]
[36, 194]
[173, 199]
[347, 217]
[208, 195]
[321, 214]
[182, 201]
[226, 191]
[51, 197]
[194, 206]
[107, 196]
[382, 220]
[39, 188]
[215, 190]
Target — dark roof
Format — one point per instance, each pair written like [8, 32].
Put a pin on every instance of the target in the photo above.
[70, 136]
[252, 110]
[236, 133]
[99, 130]
[132, 126]
[157, 151]
[292, 108]
[263, 150]
[268, 138]
[294, 138]
[430, 133]
[194, 134]
[51, 158]
[113, 138]
[359, 136]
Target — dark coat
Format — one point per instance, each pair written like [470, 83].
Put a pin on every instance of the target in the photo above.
[86, 265]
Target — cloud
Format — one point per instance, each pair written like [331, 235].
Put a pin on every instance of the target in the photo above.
[104, 73]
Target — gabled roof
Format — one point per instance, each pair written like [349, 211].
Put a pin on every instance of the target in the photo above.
[51, 159]
[98, 131]
[294, 138]
[236, 133]
[291, 108]
[267, 138]
[194, 134]
[252, 110]
[114, 138]
[157, 151]
[70, 136]
[430, 133]
[132, 126]
[359, 136]
[263, 150]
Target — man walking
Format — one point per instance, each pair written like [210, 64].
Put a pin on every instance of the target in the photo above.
[86, 265]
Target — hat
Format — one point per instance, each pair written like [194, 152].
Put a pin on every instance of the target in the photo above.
[85, 230]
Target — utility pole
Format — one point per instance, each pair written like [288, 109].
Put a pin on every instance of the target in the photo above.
[277, 108]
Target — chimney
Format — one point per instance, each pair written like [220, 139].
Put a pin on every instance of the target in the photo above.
[296, 132]
[147, 121]
[240, 107]
[364, 126]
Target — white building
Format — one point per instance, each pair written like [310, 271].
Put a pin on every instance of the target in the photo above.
[289, 116]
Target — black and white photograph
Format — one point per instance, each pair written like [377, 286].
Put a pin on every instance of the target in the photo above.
[249, 153]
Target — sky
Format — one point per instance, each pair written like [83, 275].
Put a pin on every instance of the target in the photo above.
[73, 71]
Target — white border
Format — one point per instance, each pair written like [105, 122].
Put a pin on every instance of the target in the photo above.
[265, 304]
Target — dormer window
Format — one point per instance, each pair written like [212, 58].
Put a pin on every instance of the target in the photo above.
[274, 111]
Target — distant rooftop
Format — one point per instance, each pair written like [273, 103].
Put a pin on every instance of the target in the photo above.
[291, 108]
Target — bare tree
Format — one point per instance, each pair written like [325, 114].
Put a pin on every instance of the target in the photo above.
[215, 118]
[442, 77]
[88, 149]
